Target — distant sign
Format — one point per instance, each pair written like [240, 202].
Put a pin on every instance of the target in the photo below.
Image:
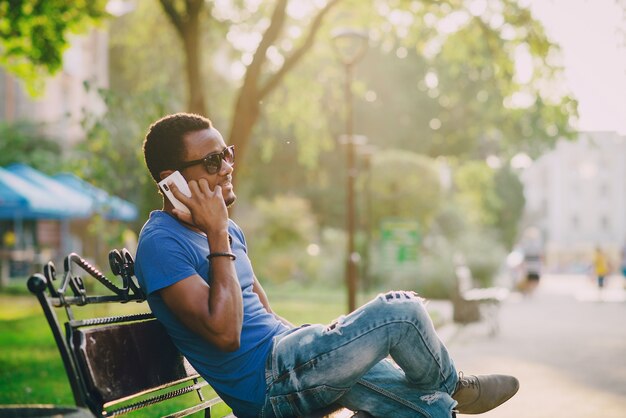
[400, 243]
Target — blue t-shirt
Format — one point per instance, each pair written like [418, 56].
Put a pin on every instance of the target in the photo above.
[169, 252]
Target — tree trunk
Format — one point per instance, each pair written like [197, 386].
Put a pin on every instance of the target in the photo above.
[247, 109]
[244, 118]
[187, 25]
[193, 65]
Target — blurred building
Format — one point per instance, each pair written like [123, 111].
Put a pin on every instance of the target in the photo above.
[31, 233]
[576, 199]
[64, 99]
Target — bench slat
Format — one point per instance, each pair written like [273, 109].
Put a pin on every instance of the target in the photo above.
[125, 360]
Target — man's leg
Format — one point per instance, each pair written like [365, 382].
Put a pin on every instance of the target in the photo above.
[316, 365]
[384, 391]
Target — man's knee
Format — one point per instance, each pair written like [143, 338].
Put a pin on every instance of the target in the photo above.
[401, 296]
[403, 303]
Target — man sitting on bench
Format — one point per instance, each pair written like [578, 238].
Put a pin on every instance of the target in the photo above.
[196, 272]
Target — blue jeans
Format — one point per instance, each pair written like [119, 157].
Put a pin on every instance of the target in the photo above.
[346, 362]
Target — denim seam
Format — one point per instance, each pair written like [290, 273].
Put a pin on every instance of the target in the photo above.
[393, 396]
[435, 357]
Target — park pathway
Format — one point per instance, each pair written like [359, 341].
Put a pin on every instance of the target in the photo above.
[566, 344]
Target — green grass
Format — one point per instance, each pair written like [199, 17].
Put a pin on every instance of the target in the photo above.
[31, 370]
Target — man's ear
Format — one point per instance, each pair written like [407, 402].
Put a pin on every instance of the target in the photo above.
[163, 174]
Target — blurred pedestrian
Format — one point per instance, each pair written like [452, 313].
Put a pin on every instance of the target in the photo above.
[532, 248]
[532, 262]
[601, 266]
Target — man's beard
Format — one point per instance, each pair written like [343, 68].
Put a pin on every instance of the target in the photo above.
[230, 202]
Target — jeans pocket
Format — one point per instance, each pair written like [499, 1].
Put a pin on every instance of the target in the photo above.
[306, 401]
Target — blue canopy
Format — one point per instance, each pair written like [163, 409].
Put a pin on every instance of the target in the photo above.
[74, 203]
[26, 193]
[10, 201]
[110, 207]
[20, 198]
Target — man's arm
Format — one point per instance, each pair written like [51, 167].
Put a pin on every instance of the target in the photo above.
[215, 313]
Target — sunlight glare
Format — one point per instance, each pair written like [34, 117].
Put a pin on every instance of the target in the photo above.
[523, 64]
[453, 22]
[521, 161]
[431, 80]
[477, 7]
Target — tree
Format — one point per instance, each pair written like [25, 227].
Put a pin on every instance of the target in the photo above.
[258, 81]
[22, 142]
[116, 138]
[34, 34]
[475, 81]
[491, 199]
[186, 21]
[476, 193]
[510, 191]
[411, 190]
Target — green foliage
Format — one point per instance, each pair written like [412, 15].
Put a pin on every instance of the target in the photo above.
[435, 274]
[490, 198]
[451, 221]
[460, 90]
[136, 63]
[483, 253]
[292, 122]
[405, 186]
[116, 138]
[280, 230]
[332, 258]
[510, 191]
[432, 277]
[475, 192]
[34, 34]
[23, 142]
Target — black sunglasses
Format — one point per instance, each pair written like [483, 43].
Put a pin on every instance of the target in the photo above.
[213, 161]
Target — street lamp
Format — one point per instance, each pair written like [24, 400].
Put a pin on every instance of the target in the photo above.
[350, 46]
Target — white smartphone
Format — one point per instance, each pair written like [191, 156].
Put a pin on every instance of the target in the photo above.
[182, 185]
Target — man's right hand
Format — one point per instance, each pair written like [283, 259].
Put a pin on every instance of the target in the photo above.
[207, 207]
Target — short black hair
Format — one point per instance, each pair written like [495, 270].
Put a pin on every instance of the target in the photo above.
[163, 145]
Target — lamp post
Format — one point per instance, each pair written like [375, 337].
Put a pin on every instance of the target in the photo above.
[367, 153]
[350, 46]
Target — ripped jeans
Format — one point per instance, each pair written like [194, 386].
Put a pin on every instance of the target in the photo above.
[315, 365]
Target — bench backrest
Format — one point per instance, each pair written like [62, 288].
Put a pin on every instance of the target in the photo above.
[112, 362]
[123, 360]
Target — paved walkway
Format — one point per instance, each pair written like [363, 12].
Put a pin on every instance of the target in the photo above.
[566, 344]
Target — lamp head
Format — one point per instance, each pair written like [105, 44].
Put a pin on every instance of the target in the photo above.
[350, 44]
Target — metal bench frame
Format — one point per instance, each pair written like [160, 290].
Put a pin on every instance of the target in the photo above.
[113, 363]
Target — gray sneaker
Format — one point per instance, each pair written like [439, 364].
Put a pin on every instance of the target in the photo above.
[478, 394]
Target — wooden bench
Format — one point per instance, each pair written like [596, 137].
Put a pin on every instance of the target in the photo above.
[473, 304]
[123, 363]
